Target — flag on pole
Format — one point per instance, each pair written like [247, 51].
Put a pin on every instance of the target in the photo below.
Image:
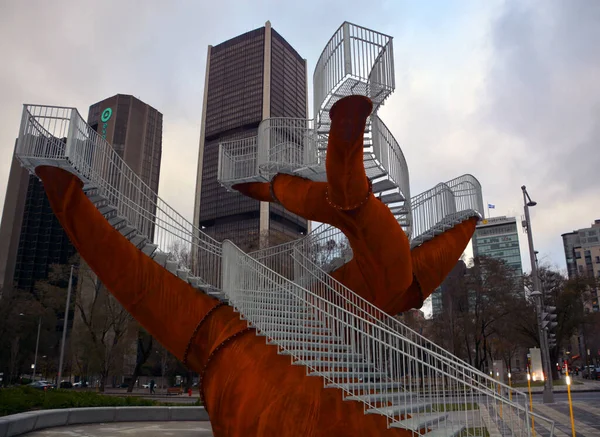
[491, 206]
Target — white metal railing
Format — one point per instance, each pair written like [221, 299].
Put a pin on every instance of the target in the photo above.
[356, 60]
[238, 160]
[288, 144]
[467, 193]
[431, 207]
[418, 380]
[100, 167]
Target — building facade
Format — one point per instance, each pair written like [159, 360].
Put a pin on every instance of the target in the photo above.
[582, 255]
[498, 238]
[249, 78]
[134, 129]
[31, 235]
[449, 291]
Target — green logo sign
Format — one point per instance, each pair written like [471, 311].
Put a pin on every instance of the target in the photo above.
[106, 114]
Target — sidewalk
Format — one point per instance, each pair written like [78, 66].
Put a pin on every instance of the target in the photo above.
[579, 385]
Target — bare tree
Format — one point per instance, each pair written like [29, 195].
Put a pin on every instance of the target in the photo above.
[181, 252]
[144, 350]
[478, 310]
[100, 325]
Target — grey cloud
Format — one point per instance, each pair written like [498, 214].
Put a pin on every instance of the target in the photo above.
[528, 112]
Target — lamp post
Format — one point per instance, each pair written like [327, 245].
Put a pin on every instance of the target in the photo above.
[548, 396]
[37, 343]
[64, 334]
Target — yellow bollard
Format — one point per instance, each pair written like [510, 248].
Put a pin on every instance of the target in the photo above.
[499, 392]
[530, 402]
[568, 381]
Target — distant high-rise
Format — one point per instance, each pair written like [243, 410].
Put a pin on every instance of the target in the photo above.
[498, 238]
[582, 254]
[249, 78]
[134, 129]
[451, 290]
[30, 234]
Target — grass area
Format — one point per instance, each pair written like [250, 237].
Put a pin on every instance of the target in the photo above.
[452, 407]
[474, 432]
[15, 400]
[541, 383]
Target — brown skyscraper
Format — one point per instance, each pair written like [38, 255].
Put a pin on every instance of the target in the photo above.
[134, 129]
[249, 78]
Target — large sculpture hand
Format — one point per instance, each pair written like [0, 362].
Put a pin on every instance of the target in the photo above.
[248, 388]
[383, 270]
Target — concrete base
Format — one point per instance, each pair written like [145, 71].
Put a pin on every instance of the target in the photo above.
[18, 424]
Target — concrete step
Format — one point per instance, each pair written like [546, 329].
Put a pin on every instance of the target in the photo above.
[160, 257]
[355, 375]
[149, 248]
[138, 240]
[276, 335]
[326, 354]
[451, 431]
[420, 421]
[367, 386]
[172, 266]
[299, 347]
[400, 409]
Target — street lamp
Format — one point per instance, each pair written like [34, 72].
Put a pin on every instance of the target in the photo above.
[64, 333]
[548, 396]
[37, 343]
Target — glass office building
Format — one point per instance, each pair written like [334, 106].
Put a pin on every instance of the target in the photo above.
[498, 237]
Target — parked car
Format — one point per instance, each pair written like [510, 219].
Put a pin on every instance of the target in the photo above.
[42, 385]
[66, 384]
[589, 372]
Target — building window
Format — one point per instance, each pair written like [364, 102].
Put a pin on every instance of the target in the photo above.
[578, 255]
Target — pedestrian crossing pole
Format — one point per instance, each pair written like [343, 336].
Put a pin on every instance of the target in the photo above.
[568, 381]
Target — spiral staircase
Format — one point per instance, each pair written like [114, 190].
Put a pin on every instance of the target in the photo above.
[284, 292]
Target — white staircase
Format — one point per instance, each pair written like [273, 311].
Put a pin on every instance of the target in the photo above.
[287, 296]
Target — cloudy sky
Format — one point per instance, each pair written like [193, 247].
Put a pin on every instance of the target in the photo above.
[506, 90]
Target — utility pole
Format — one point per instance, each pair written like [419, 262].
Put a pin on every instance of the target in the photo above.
[37, 343]
[64, 334]
[548, 396]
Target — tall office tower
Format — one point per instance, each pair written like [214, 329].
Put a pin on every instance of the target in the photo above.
[498, 237]
[249, 78]
[31, 238]
[134, 129]
[582, 254]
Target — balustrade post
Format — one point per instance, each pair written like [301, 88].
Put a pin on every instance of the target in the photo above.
[70, 147]
[347, 48]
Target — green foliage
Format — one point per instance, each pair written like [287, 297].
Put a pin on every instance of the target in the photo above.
[20, 399]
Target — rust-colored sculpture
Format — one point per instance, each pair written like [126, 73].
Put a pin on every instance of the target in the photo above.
[248, 389]
[383, 270]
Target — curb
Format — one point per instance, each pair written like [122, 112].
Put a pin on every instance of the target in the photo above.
[18, 424]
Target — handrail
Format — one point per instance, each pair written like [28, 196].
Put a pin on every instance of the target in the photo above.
[251, 288]
[100, 166]
[349, 64]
